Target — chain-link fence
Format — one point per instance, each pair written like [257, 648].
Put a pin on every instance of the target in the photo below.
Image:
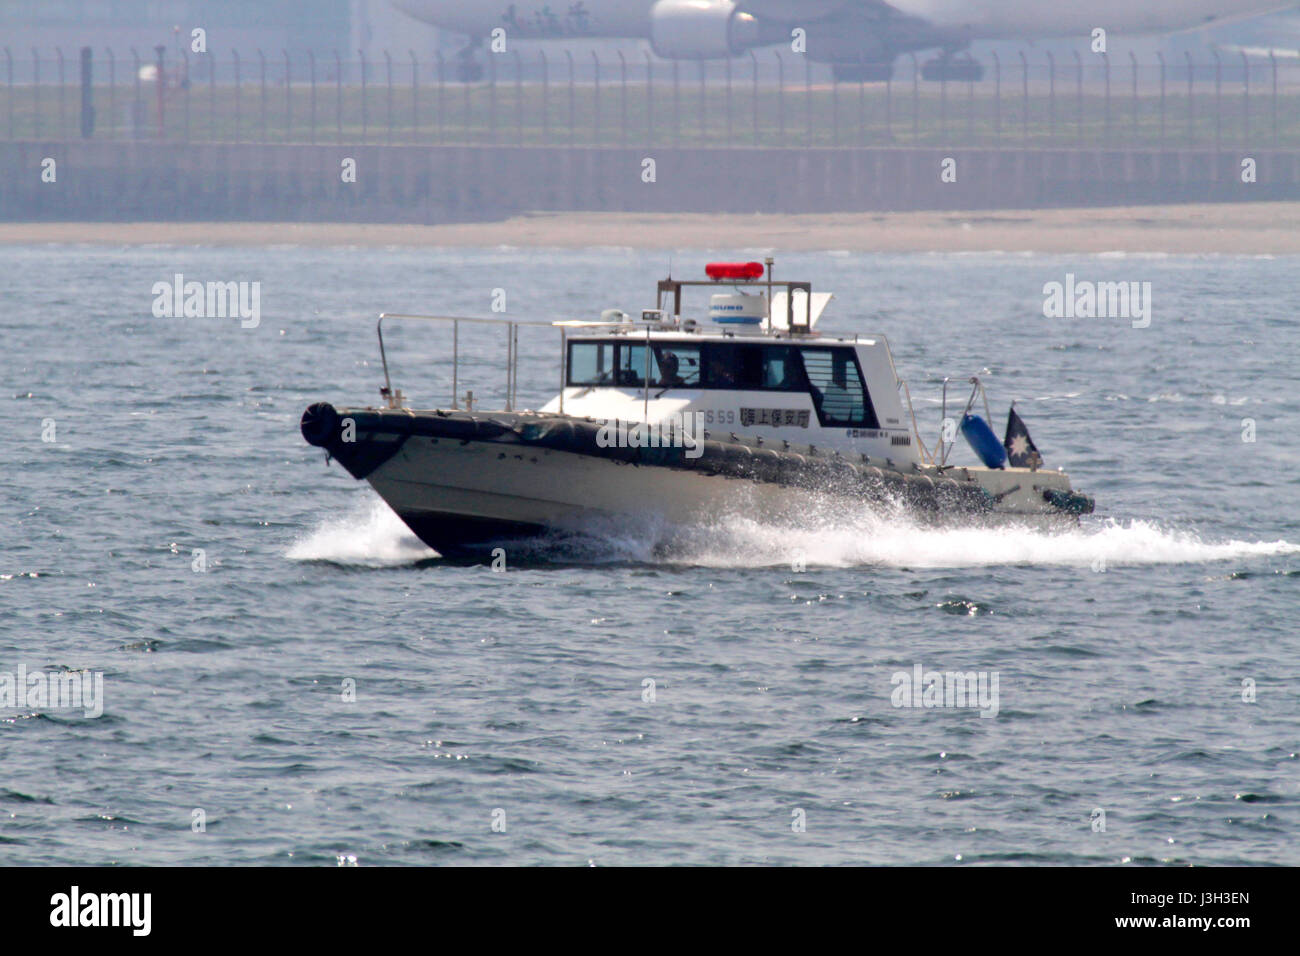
[766, 99]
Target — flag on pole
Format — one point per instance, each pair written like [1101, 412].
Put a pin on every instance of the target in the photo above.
[1021, 451]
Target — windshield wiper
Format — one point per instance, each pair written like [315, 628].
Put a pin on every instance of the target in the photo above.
[681, 384]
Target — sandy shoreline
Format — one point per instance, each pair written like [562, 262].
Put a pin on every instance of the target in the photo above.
[1235, 229]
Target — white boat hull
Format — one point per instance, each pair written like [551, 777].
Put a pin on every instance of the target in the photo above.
[465, 496]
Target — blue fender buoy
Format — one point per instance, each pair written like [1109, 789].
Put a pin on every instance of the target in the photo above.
[983, 441]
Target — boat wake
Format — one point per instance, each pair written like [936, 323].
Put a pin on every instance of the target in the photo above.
[869, 541]
[373, 536]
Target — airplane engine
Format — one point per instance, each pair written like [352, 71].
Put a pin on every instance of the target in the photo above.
[708, 29]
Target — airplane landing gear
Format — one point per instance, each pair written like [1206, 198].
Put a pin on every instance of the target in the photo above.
[468, 69]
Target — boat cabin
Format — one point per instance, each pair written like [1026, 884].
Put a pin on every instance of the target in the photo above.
[757, 366]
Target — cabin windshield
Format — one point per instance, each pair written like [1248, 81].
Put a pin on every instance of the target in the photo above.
[624, 364]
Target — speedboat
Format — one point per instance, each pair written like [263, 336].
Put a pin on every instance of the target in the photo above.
[748, 409]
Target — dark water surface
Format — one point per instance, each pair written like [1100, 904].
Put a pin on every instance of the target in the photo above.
[1120, 649]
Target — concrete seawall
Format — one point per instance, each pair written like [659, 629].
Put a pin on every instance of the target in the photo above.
[437, 184]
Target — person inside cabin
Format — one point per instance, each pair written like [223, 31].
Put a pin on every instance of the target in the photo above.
[720, 374]
[669, 369]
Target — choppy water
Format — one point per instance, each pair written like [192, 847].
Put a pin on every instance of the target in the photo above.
[1120, 648]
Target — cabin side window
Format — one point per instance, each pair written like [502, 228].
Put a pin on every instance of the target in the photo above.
[736, 365]
[829, 375]
[782, 370]
[729, 365]
[838, 391]
[592, 363]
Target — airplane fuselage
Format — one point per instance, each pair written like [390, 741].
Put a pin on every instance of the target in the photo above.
[1013, 19]
[979, 19]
